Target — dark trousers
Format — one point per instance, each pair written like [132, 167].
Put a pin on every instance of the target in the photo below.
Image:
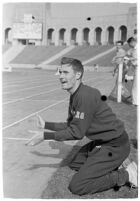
[98, 168]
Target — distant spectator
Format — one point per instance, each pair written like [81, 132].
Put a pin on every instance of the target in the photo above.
[96, 67]
[132, 54]
[120, 53]
[135, 34]
[119, 58]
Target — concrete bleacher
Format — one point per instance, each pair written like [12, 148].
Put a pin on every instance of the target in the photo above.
[36, 54]
[83, 53]
[106, 60]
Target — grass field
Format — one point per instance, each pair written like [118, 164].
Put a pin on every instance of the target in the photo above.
[41, 171]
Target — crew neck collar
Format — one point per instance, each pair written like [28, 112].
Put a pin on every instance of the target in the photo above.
[72, 95]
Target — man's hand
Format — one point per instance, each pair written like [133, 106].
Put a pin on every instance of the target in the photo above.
[40, 122]
[36, 139]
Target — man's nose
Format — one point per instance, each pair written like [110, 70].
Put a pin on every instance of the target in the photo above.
[61, 75]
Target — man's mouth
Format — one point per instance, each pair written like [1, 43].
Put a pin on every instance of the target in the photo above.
[63, 82]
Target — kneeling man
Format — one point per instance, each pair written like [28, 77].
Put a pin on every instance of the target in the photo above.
[99, 162]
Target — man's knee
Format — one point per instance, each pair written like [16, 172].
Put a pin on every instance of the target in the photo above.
[75, 187]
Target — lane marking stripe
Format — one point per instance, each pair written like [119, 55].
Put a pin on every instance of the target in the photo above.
[26, 80]
[28, 88]
[12, 138]
[32, 82]
[27, 97]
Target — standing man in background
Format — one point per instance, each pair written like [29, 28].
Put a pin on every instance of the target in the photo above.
[132, 54]
[120, 53]
[117, 59]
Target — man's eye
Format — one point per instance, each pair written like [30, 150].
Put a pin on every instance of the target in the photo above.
[65, 72]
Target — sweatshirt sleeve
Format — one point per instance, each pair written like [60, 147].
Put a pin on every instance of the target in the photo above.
[54, 126]
[84, 114]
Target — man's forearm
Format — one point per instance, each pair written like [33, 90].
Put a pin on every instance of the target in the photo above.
[54, 126]
[49, 136]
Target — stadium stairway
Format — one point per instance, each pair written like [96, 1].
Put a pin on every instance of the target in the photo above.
[105, 59]
[54, 57]
[9, 55]
[83, 53]
[99, 55]
[49, 57]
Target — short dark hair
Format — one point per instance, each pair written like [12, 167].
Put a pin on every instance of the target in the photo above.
[130, 40]
[119, 41]
[75, 63]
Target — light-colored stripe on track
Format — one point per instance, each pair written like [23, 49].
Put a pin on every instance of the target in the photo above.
[15, 138]
[26, 80]
[27, 97]
[32, 81]
[20, 139]
[28, 88]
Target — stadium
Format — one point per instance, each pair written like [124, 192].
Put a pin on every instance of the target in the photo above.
[35, 38]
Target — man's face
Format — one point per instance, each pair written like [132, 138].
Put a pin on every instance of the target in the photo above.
[68, 77]
[118, 46]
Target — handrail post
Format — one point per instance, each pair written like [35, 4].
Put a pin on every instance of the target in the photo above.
[119, 91]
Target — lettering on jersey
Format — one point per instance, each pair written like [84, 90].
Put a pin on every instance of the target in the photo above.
[82, 115]
[79, 115]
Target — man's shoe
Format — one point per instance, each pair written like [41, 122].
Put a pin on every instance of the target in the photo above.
[133, 174]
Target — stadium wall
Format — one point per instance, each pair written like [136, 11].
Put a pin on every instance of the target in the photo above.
[33, 23]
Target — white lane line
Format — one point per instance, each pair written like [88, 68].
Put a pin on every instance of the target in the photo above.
[32, 81]
[27, 97]
[15, 138]
[21, 139]
[26, 80]
[28, 88]
[26, 117]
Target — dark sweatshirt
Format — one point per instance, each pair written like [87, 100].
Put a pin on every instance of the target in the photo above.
[88, 116]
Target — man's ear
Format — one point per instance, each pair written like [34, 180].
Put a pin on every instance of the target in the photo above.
[78, 75]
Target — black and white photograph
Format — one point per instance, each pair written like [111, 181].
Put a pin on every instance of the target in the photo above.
[69, 100]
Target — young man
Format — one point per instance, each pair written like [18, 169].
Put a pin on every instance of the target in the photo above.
[98, 162]
[132, 54]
